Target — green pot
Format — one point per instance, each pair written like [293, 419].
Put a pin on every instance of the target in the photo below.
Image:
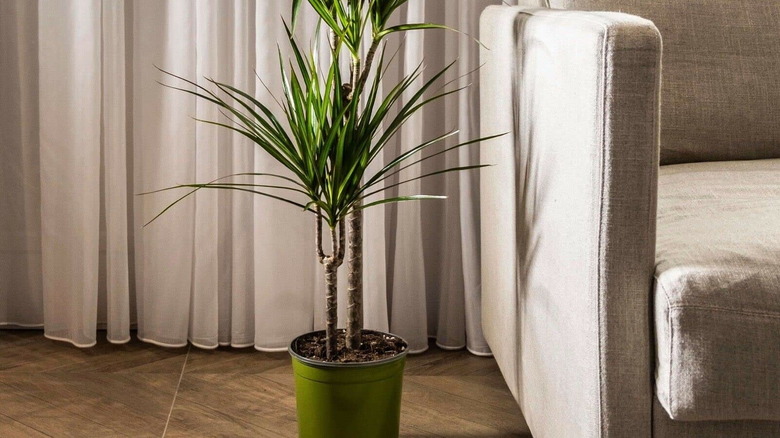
[346, 400]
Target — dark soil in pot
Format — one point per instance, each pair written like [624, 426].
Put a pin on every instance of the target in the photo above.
[375, 346]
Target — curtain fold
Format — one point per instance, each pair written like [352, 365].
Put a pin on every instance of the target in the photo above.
[70, 66]
[21, 285]
[86, 128]
[114, 263]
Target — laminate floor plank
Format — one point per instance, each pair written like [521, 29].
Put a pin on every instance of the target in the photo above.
[489, 391]
[226, 360]
[438, 362]
[190, 418]
[28, 351]
[436, 411]
[12, 428]
[50, 388]
[119, 402]
[255, 403]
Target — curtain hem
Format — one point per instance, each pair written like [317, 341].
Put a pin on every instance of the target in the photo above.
[13, 325]
[71, 341]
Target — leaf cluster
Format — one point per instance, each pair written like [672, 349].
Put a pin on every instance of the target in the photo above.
[348, 19]
[324, 137]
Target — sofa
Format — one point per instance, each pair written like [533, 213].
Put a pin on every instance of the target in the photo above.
[631, 221]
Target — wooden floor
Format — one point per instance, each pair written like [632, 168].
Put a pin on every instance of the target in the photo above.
[50, 388]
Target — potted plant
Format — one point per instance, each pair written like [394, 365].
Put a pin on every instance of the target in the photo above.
[328, 130]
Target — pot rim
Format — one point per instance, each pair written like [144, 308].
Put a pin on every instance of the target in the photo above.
[323, 364]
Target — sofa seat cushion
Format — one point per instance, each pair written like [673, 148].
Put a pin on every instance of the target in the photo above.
[717, 292]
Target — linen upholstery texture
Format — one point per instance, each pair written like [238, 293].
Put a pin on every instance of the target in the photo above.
[717, 296]
[663, 426]
[721, 80]
[498, 216]
[568, 218]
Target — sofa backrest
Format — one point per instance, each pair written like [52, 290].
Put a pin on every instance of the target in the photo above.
[720, 97]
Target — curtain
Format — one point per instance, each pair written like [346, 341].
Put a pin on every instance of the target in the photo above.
[85, 128]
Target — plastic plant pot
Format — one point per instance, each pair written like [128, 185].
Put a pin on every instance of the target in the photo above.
[348, 400]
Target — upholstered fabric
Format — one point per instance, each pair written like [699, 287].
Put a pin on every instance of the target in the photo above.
[568, 215]
[664, 427]
[717, 296]
[500, 307]
[721, 75]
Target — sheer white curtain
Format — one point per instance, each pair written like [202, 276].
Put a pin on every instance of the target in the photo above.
[85, 127]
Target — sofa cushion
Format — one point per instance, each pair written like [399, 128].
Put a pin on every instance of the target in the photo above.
[717, 293]
[721, 75]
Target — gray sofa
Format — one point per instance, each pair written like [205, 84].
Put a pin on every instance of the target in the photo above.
[631, 225]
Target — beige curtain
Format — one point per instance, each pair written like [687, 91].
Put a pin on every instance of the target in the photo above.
[85, 127]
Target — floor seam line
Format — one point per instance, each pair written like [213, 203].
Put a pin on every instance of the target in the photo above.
[176, 393]
[24, 424]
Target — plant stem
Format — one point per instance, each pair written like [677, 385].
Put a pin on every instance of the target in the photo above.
[331, 263]
[363, 77]
[331, 309]
[354, 69]
[318, 236]
[355, 291]
[355, 264]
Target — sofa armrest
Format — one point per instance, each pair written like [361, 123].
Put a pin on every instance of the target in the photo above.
[568, 214]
